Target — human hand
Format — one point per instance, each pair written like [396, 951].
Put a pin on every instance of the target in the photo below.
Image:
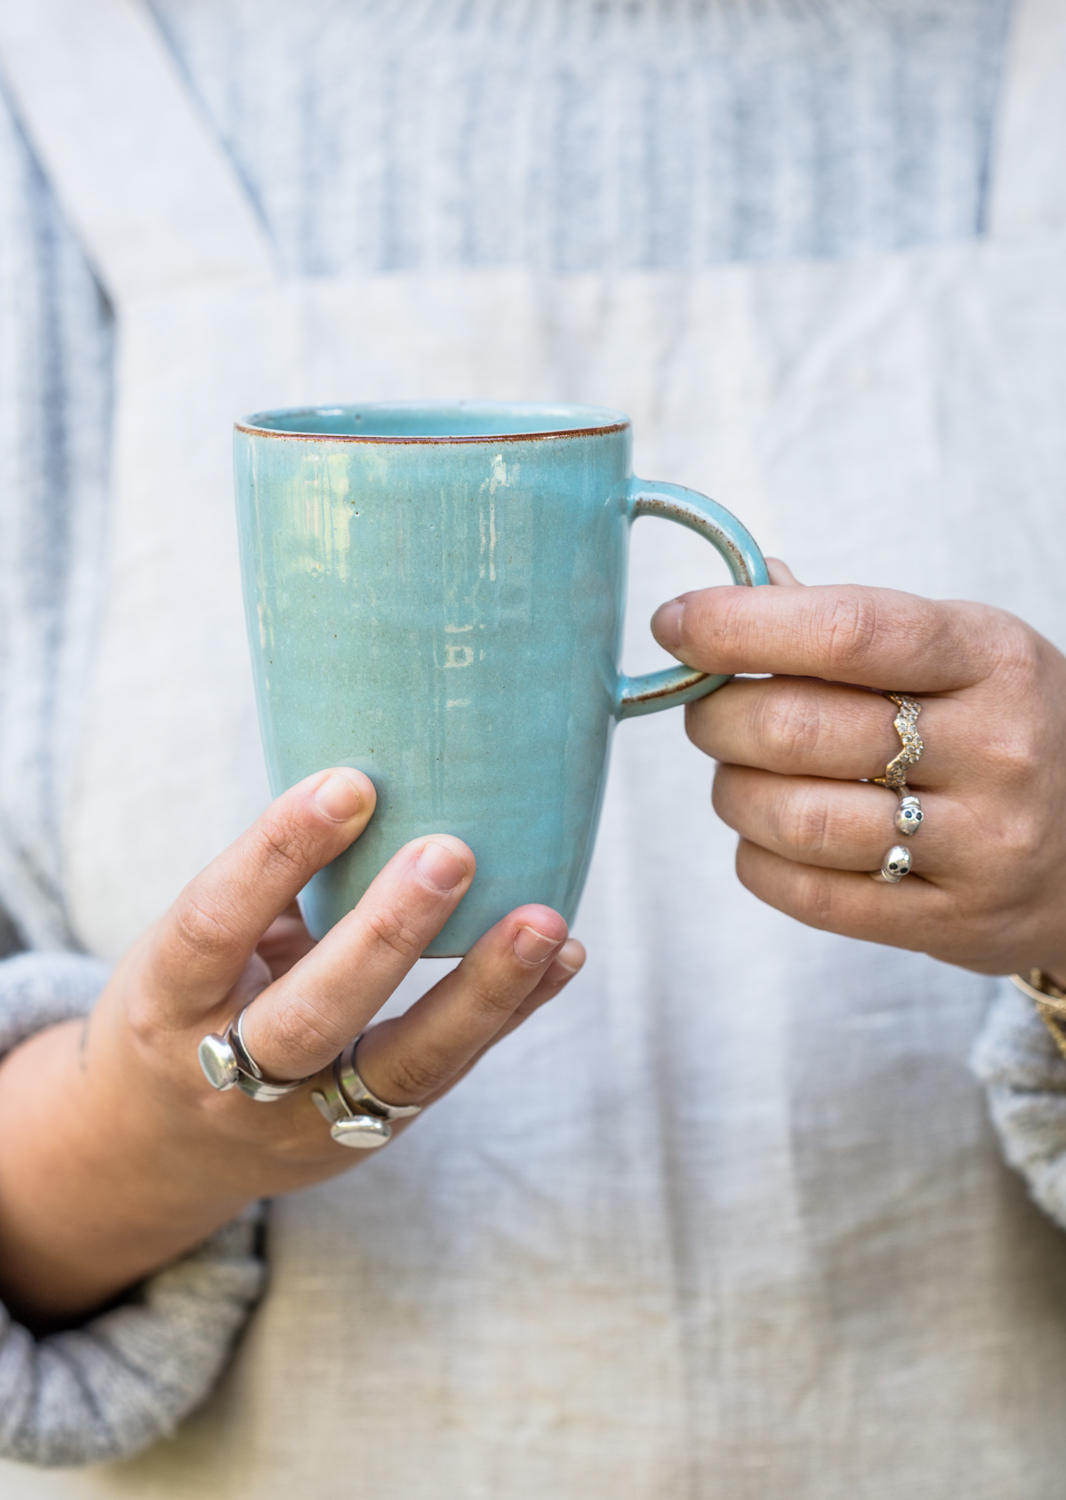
[163, 1157]
[796, 750]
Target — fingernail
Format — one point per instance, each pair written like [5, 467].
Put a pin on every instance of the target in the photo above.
[532, 947]
[666, 624]
[440, 868]
[339, 797]
[570, 957]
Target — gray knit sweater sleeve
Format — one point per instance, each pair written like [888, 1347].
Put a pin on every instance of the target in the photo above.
[1025, 1076]
[122, 1379]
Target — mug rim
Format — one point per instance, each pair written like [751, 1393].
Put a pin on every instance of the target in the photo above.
[583, 421]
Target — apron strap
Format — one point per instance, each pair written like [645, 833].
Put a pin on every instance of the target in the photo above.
[138, 173]
[1028, 181]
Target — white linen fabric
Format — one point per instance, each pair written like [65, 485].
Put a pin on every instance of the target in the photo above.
[728, 1220]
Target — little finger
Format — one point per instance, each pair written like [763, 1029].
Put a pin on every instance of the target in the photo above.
[914, 914]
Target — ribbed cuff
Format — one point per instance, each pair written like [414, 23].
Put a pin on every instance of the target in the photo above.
[1025, 1077]
[111, 1387]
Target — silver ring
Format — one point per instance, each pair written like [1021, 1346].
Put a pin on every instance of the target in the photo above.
[360, 1097]
[909, 815]
[356, 1116]
[228, 1064]
[896, 864]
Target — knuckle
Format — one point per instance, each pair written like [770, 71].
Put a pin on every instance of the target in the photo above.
[1023, 840]
[720, 791]
[297, 1147]
[143, 1022]
[395, 932]
[848, 628]
[300, 1031]
[816, 900]
[743, 868]
[413, 1076]
[708, 719]
[1029, 834]
[204, 930]
[491, 1002]
[1014, 756]
[283, 842]
[1019, 653]
[696, 722]
[811, 897]
[731, 624]
[804, 823]
[789, 723]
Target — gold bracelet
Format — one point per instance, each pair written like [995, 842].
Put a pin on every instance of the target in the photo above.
[1050, 1002]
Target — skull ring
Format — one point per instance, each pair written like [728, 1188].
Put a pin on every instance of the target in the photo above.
[896, 864]
[909, 814]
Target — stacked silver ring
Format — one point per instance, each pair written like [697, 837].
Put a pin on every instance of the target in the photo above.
[227, 1064]
[909, 815]
[355, 1114]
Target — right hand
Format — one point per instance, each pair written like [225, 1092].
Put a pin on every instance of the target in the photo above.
[234, 936]
[151, 1159]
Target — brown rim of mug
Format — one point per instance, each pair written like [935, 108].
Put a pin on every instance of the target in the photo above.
[247, 426]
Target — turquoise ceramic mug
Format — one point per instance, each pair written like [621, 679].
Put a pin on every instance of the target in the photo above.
[435, 594]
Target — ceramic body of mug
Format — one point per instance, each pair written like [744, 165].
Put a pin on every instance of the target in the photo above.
[435, 595]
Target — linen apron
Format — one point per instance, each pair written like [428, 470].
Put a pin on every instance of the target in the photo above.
[727, 1220]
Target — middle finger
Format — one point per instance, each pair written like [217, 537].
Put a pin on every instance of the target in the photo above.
[800, 726]
[303, 1019]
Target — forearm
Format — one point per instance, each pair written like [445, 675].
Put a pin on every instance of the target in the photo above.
[116, 1156]
[94, 1193]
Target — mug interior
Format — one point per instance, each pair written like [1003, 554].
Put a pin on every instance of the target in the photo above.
[429, 421]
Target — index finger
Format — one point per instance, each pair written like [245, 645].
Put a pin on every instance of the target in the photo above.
[203, 942]
[878, 638]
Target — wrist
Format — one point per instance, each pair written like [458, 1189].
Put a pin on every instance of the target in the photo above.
[1049, 999]
[99, 1191]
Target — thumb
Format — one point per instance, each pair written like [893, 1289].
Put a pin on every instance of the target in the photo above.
[201, 945]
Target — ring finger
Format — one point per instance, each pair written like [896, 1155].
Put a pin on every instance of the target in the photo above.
[834, 825]
[416, 1057]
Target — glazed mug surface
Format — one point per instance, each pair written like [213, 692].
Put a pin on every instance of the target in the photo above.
[435, 595]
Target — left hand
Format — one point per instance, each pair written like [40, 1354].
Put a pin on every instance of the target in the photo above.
[796, 752]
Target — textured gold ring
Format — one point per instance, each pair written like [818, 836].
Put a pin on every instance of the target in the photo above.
[911, 746]
[1050, 1002]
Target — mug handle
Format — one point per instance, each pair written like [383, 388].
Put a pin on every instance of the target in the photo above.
[651, 691]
